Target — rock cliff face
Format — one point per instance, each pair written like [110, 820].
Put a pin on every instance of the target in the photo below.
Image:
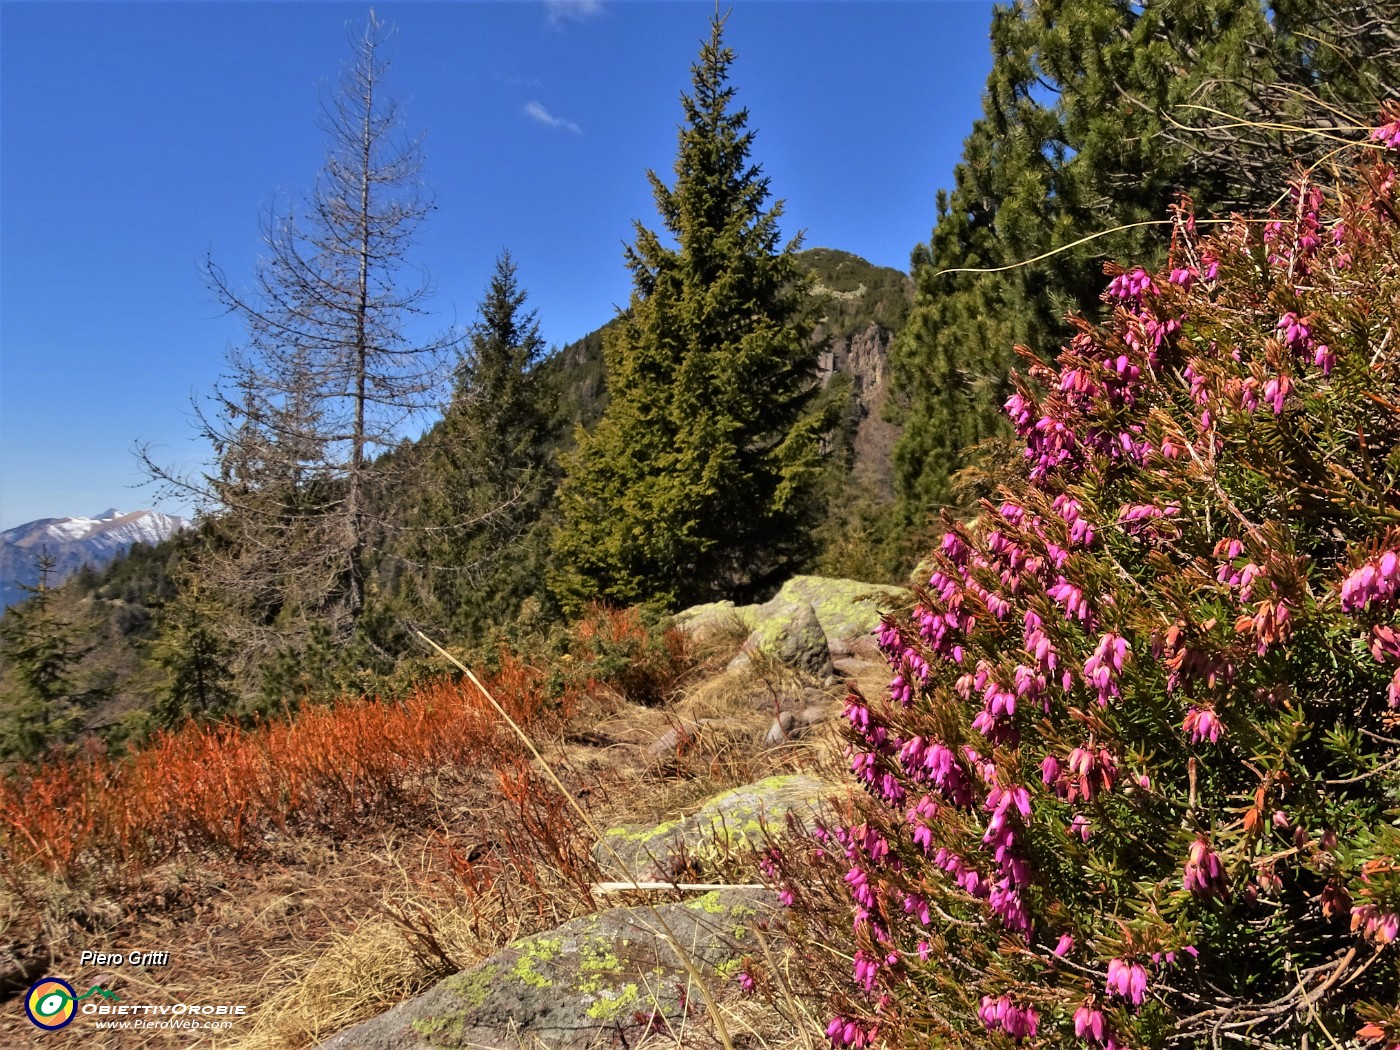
[863, 356]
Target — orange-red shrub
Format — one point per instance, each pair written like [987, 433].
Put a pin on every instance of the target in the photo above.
[225, 787]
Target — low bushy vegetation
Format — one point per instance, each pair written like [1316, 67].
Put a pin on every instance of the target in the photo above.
[225, 786]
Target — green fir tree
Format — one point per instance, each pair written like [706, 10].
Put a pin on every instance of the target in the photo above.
[698, 479]
[45, 694]
[484, 517]
[194, 654]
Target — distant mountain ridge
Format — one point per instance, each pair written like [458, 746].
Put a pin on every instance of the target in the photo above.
[75, 542]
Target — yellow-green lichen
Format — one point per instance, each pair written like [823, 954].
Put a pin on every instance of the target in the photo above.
[452, 1026]
[712, 904]
[644, 834]
[541, 948]
[597, 962]
[611, 1006]
[709, 903]
[728, 968]
[474, 986]
[524, 971]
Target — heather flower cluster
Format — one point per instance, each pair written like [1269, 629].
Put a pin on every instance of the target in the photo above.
[1138, 739]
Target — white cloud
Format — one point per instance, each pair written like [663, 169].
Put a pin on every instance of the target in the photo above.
[535, 111]
[561, 11]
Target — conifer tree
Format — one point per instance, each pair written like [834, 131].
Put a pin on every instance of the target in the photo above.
[324, 384]
[696, 476]
[194, 655]
[45, 695]
[1082, 132]
[482, 534]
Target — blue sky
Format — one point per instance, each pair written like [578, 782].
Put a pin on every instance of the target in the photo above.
[136, 138]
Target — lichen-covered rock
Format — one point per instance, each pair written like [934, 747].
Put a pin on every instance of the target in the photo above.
[599, 981]
[846, 609]
[732, 820]
[847, 612]
[700, 620]
[792, 635]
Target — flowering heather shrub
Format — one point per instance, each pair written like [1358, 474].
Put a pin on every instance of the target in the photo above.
[1135, 779]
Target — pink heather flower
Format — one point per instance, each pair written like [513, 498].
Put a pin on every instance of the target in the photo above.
[916, 905]
[1064, 946]
[1021, 413]
[1388, 135]
[954, 549]
[1375, 580]
[1080, 826]
[1130, 286]
[1295, 331]
[925, 950]
[844, 1032]
[867, 970]
[1324, 358]
[746, 981]
[1204, 873]
[1380, 927]
[1102, 668]
[1203, 724]
[1247, 576]
[1019, 1022]
[1128, 980]
[1071, 599]
[1183, 275]
[1088, 1022]
[1276, 391]
[861, 892]
[889, 638]
[1090, 772]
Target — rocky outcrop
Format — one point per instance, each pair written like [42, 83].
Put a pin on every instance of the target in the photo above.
[604, 980]
[807, 612]
[734, 820]
[790, 633]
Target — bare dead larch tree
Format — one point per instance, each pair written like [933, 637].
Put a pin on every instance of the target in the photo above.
[328, 374]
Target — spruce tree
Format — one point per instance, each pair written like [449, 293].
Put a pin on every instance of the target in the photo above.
[45, 694]
[699, 474]
[481, 535]
[195, 657]
[1082, 133]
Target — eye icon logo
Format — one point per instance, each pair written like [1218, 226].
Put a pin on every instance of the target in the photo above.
[51, 1003]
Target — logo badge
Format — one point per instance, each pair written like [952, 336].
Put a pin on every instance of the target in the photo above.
[51, 1003]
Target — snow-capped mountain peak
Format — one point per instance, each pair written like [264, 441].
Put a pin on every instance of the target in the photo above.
[74, 542]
